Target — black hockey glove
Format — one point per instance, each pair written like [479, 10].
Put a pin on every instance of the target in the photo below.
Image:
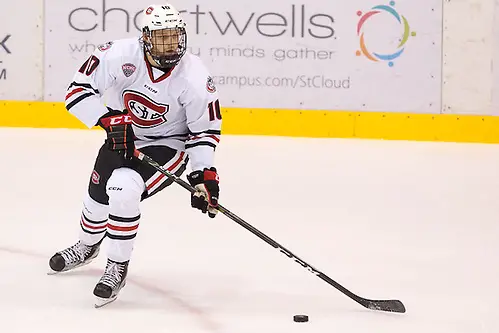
[206, 184]
[119, 134]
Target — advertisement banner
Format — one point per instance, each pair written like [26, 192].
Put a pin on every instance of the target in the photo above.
[21, 50]
[493, 107]
[364, 55]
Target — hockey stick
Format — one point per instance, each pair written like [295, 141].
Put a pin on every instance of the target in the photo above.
[380, 305]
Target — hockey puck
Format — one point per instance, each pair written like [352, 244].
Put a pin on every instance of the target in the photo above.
[300, 318]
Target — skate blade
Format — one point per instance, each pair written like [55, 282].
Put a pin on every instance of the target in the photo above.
[100, 302]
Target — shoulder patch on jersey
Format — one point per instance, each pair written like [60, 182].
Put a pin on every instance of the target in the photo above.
[128, 69]
[104, 47]
[210, 85]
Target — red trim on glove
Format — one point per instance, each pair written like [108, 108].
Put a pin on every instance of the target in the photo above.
[116, 120]
[210, 175]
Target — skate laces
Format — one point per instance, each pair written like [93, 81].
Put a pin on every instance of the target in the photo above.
[113, 273]
[75, 254]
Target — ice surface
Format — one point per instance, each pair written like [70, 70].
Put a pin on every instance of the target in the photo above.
[413, 221]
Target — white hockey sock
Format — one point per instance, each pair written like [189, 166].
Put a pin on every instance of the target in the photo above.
[93, 221]
[124, 188]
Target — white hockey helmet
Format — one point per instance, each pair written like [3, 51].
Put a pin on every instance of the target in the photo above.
[164, 34]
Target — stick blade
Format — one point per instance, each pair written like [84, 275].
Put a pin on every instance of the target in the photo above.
[384, 305]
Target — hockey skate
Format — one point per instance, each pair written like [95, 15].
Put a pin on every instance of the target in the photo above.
[73, 257]
[110, 284]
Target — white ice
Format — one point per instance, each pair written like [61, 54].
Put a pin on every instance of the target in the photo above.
[414, 221]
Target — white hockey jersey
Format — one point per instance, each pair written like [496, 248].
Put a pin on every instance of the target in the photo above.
[179, 108]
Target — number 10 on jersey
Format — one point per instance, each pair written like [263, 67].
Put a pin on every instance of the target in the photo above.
[214, 110]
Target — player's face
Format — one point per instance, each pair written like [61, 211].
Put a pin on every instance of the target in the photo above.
[164, 41]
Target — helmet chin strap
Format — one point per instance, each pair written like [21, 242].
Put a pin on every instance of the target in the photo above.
[154, 63]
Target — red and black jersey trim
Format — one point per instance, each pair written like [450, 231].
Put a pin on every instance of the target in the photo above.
[202, 143]
[214, 132]
[83, 85]
[92, 227]
[124, 228]
[78, 100]
[208, 138]
[92, 221]
[81, 91]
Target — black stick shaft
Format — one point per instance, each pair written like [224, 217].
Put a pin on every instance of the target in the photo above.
[381, 305]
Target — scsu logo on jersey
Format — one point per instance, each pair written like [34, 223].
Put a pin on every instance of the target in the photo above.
[105, 46]
[210, 85]
[145, 112]
[95, 177]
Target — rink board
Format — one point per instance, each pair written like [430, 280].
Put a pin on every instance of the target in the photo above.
[296, 123]
[313, 55]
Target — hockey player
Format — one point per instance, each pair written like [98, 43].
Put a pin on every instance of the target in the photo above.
[160, 100]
